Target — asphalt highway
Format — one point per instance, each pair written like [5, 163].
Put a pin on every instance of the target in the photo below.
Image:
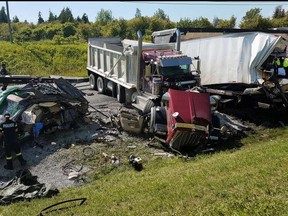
[94, 98]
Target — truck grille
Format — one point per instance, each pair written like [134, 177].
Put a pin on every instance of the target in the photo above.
[187, 139]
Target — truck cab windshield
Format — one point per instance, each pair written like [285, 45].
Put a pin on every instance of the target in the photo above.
[175, 70]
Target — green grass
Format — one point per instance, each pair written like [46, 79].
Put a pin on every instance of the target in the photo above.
[44, 58]
[251, 180]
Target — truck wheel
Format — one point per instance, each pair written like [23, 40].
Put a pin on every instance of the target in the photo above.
[100, 85]
[121, 94]
[148, 106]
[92, 81]
[114, 90]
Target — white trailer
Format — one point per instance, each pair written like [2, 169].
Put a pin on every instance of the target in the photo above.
[240, 64]
[232, 58]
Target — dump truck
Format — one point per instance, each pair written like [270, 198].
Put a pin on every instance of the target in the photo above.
[237, 67]
[138, 73]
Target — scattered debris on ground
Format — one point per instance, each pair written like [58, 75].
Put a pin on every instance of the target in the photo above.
[64, 158]
[24, 186]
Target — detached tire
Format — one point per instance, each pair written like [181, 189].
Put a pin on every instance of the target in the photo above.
[121, 96]
[92, 82]
[100, 85]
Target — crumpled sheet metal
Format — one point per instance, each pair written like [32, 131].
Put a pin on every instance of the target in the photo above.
[24, 186]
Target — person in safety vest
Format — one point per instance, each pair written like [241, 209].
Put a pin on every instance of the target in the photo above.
[276, 64]
[285, 64]
[9, 129]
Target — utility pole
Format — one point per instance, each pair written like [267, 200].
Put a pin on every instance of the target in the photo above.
[9, 22]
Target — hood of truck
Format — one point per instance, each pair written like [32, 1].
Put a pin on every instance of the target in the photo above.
[193, 109]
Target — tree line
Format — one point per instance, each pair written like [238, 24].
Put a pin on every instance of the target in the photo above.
[65, 28]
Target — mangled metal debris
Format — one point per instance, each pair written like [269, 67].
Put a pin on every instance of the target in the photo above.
[105, 134]
[72, 170]
[194, 128]
[24, 186]
[56, 105]
[115, 160]
[131, 121]
[136, 162]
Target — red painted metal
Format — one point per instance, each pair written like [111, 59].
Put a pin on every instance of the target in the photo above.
[193, 108]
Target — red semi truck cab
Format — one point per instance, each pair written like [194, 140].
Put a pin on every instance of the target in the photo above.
[188, 118]
[185, 120]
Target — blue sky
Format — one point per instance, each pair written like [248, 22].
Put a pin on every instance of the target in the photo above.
[28, 10]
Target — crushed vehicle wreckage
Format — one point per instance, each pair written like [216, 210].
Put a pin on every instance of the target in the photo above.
[55, 104]
[159, 81]
[190, 130]
[156, 79]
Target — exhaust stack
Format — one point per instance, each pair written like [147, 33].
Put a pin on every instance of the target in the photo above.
[178, 39]
[139, 56]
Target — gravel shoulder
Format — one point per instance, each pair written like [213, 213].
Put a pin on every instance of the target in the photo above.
[47, 157]
[56, 155]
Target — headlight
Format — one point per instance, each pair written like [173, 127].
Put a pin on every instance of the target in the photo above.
[175, 114]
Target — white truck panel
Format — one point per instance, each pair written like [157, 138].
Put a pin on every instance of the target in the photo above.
[231, 58]
[105, 57]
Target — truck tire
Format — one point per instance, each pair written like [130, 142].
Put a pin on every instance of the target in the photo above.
[121, 96]
[100, 85]
[148, 106]
[92, 81]
[114, 91]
